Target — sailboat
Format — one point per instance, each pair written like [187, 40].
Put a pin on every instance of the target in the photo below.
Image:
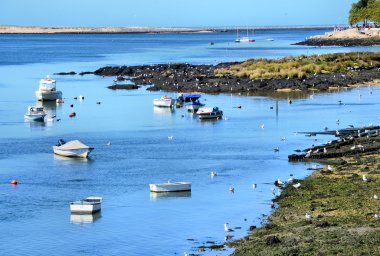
[243, 39]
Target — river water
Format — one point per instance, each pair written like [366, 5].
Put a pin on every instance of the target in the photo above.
[34, 215]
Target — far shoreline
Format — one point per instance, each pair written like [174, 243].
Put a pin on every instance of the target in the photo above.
[11, 29]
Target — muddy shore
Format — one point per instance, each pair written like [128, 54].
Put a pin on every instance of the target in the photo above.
[333, 211]
[201, 78]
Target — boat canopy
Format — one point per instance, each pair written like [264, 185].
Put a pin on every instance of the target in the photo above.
[74, 144]
[191, 95]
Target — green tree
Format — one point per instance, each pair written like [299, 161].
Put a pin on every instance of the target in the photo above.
[365, 10]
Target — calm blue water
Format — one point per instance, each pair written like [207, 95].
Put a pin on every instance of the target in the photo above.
[35, 217]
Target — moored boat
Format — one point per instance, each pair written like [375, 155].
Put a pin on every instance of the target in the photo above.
[47, 90]
[73, 148]
[170, 187]
[209, 113]
[87, 205]
[164, 101]
[35, 114]
[194, 106]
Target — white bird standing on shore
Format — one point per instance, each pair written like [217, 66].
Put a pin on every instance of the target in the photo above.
[365, 179]
[290, 180]
[329, 168]
[226, 228]
[297, 185]
[375, 197]
[376, 216]
[254, 185]
[280, 182]
[308, 216]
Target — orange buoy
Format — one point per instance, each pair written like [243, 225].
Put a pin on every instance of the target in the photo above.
[238, 106]
[75, 97]
[71, 105]
[72, 114]
[14, 182]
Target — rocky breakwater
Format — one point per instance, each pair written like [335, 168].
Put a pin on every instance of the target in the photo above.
[215, 78]
[346, 38]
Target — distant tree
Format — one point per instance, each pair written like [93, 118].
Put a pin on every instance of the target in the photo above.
[365, 10]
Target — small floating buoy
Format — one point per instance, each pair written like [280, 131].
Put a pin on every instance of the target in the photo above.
[14, 182]
[75, 97]
[98, 102]
[81, 97]
[71, 105]
[72, 114]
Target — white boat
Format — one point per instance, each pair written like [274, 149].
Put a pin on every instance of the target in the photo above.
[246, 39]
[47, 90]
[87, 205]
[164, 101]
[73, 148]
[170, 187]
[35, 114]
[209, 113]
[194, 106]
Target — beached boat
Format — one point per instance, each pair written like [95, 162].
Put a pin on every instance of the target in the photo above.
[73, 148]
[87, 205]
[170, 187]
[209, 113]
[164, 101]
[35, 114]
[47, 90]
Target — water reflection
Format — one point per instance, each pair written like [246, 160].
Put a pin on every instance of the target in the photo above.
[69, 160]
[50, 108]
[167, 195]
[163, 111]
[84, 218]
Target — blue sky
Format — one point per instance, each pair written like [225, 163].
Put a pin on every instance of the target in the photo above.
[176, 13]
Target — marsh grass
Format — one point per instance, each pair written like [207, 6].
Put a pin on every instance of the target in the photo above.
[302, 66]
[343, 211]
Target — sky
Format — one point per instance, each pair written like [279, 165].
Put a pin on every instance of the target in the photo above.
[173, 13]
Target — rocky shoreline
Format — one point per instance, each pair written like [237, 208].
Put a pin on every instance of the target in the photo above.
[345, 42]
[186, 77]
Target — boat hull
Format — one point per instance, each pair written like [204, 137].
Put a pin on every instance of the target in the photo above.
[83, 208]
[48, 95]
[164, 103]
[170, 187]
[212, 115]
[36, 118]
[81, 153]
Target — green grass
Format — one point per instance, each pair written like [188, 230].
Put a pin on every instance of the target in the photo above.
[302, 66]
[341, 199]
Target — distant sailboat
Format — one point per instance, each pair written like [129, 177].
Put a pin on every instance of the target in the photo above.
[243, 39]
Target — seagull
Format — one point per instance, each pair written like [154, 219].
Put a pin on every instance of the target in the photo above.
[297, 185]
[375, 197]
[227, 238]
[324, 150]
[283, 139]
[226, 228]
[232, 189]
[376, 216]
[170, 137]
[280, 182]
[290, 180]
[329, 168]
[254, 185]
[214, 173]
[365, 179]
[109, 143]
[276, 149]
[262, 126]
[308, 216]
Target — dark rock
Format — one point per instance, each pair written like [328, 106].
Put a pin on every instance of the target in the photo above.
[123, 86]
[345, 42]
[270, 226]
[322, 224]
[65, 73]
[271, 240]
[251, 228]
[86, 73]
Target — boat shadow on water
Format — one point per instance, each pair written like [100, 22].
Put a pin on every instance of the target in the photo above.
[169, 195]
